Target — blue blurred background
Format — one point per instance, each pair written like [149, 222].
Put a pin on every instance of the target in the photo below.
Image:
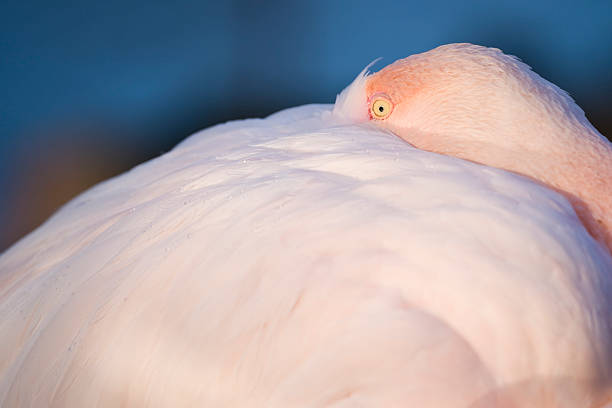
[92, 88]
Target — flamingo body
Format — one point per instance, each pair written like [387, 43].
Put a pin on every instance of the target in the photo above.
[300, 261]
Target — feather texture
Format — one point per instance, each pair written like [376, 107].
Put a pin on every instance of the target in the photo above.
[295, 261]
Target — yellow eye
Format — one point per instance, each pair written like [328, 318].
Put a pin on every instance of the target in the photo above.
[381, 107]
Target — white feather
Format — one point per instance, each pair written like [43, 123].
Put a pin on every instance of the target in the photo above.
[292, 262]
[351, 103]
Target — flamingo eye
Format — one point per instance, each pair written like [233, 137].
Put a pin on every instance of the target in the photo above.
[381, 107]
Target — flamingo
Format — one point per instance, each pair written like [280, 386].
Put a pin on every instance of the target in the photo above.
[439, 237]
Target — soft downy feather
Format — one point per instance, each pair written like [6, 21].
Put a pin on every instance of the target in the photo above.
[291, 261]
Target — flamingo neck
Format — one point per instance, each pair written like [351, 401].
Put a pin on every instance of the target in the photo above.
[585, 178]
[574, 160]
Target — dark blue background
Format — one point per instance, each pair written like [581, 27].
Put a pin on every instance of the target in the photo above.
[91, 88]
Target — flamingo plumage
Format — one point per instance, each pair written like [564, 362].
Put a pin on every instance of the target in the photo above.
[315, 259]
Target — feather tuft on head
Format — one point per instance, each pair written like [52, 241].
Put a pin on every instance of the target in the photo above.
[351, 103]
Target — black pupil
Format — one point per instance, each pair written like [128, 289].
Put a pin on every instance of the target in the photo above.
[381, 109]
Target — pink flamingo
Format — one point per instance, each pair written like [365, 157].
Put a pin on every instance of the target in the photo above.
[315, 259]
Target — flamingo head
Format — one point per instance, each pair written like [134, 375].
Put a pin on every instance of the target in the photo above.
[479, 104]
